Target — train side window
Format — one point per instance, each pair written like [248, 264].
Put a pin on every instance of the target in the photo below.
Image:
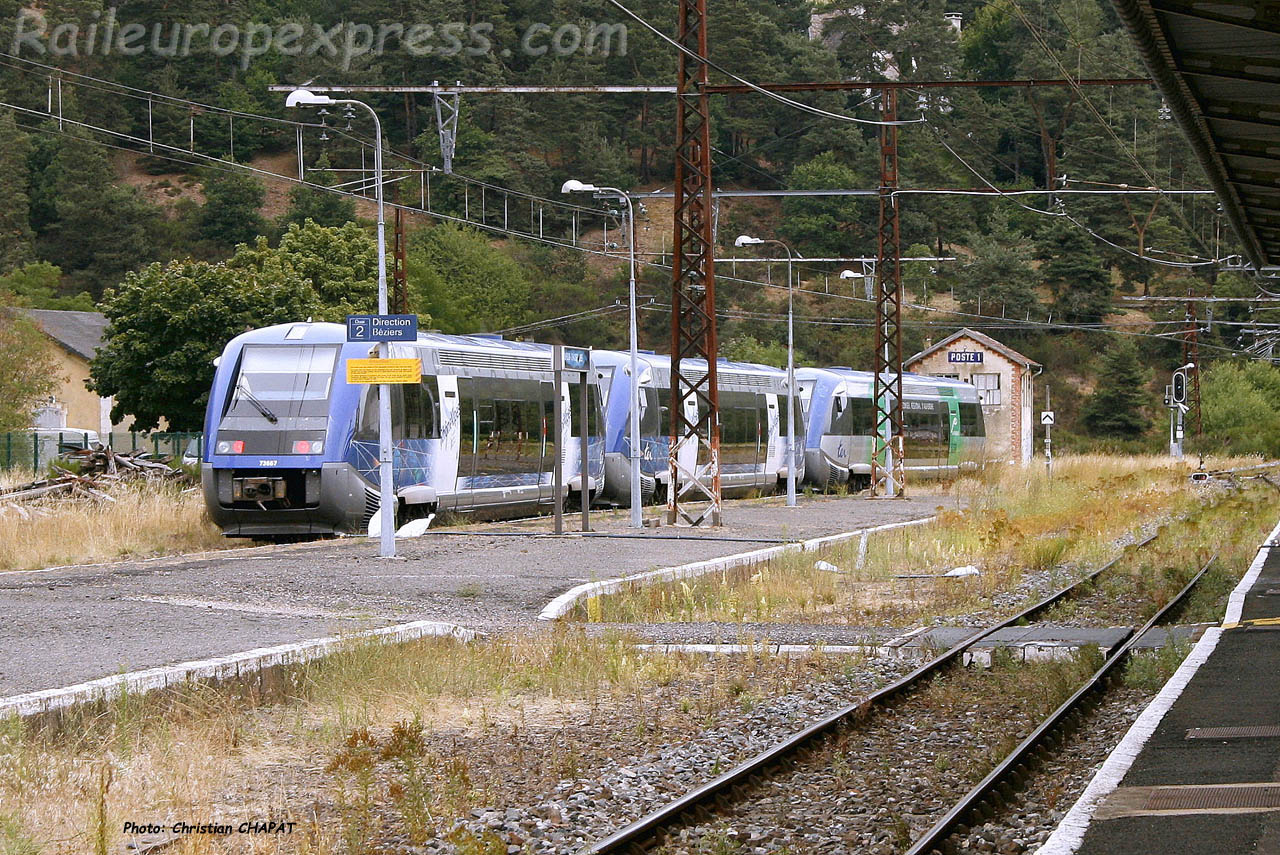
[924, 425]
[421, 413]
[862, 417]
[839, 425]
[593, 408]
[466, 423]
[971, 421]
[367, 419]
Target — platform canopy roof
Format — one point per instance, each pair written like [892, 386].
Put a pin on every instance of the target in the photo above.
[1218, 67]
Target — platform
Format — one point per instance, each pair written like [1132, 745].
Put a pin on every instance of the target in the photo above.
[69, 625]
[1199, 771]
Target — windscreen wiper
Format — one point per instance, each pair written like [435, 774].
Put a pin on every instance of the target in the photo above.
[241, 389]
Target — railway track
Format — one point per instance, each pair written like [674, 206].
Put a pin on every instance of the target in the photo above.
[735, 787]
[1011, 773]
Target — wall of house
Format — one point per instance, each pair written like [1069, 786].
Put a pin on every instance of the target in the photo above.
[1008, 415]
[84, 409]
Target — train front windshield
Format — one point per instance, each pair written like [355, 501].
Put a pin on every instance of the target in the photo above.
[279, 401]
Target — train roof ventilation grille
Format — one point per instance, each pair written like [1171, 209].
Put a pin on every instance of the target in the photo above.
[763, 381]
[760, 381]
[516, 362]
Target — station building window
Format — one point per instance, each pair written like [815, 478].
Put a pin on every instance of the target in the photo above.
[989, 392]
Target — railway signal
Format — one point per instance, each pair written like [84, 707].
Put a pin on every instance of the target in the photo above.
[1175, 398]
[1179, 387]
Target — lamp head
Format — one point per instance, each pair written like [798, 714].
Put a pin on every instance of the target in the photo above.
[573, 185]
[307, 98]
[747, 240]
[849, 274]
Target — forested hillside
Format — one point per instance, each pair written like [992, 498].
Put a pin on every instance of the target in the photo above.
[83, 214]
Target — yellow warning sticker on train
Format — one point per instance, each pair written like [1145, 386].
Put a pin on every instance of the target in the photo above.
[384, 370]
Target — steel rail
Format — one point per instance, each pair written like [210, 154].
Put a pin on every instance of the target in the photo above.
[995, 785]
[640, 835]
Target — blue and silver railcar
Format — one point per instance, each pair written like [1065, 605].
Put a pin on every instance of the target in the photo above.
[943, 427]
[613, 373]
[752, 401]
[292, 448]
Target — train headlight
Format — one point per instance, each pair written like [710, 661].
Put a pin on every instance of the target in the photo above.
[229, 446]
[302, 446]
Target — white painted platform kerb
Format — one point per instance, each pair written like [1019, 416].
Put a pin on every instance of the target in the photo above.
[235, 666]
[561, 605]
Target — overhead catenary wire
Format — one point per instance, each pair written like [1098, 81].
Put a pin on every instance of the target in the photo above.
[1053, 57]
[217, 163]
[995, 323]
[1062, 214]
[782, 99]
[186, 156]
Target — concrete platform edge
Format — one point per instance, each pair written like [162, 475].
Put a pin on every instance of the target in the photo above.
[222, 668]
[1069, 834]
[561, 605]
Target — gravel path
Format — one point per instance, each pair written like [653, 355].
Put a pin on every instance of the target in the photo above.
[80, 623]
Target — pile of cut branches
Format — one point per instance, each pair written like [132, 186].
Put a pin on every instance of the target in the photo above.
[88, 472]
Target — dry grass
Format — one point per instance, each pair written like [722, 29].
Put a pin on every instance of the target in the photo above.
[1013, 520]
[375, 740]
[144, 520]
[403, 740]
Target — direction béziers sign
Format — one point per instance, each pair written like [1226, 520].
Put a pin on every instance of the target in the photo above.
[382, 327]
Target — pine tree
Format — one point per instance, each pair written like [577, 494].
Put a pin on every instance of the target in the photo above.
[16, 237]
[101, 228]
[998, 279]
[1115, 409]
[1074, 273]
[231, 202]
[323, 207]
[826, 225]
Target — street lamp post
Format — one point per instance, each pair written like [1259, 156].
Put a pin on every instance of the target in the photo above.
[793, 462]
[575, 186]
[387, 541]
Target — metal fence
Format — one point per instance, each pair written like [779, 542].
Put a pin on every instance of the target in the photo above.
[33, 451]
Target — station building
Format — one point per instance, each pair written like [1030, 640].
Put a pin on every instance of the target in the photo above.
[1004, 379]
[74, 338]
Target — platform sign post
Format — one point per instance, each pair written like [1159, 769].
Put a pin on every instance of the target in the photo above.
[382, 329]
[578, 361]
[557, 478]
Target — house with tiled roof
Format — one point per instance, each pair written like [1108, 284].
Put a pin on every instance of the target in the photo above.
[74, 338]
[1004, 379]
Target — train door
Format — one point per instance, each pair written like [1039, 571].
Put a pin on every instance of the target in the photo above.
[773, 453]
[546, 442]
[689, 454]
[953, 423]
[449, 460]
[468, 443]
[595, 431]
